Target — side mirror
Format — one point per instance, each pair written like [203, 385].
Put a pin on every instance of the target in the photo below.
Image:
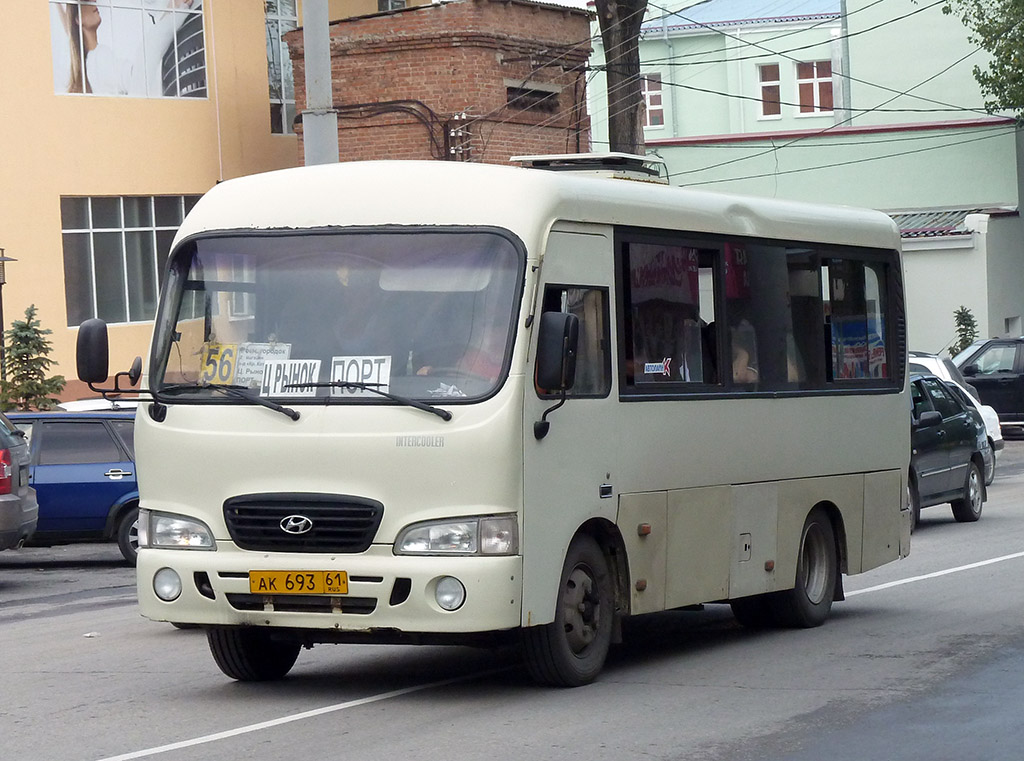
[92, 351]
[557, 345]
[929, 419]
[970, 371]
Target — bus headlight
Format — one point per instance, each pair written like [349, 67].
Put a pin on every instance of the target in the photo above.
[483, 535]
[167, 584]
[166, 530]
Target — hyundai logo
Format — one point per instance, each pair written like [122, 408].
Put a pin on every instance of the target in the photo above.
[296, 524]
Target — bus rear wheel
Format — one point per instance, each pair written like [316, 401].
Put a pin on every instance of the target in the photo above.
[809, 602]
[571, 650]
[251, 655]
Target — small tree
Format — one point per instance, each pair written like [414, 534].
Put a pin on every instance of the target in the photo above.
[966, 330]
[26, 348]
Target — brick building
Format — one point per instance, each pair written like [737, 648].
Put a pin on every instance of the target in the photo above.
[469, 80]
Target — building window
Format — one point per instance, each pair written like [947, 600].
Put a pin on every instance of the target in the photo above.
[128, 48]
[654, 111]
[814, 86]
[115, 249]
[282, 17]
[384, 6]
[768, 74]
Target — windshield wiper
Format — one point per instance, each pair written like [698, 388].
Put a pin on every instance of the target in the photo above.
[373, 387]
[234, 392]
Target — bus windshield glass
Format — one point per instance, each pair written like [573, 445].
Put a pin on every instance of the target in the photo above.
[338, 317]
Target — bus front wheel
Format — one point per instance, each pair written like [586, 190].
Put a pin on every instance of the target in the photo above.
[809, 602]
[251, 655]
[571, 650]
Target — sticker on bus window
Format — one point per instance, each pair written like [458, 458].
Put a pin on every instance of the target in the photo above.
[659, 368]
[253, 356]
[286, 377]
[239, 364]
[373, 371]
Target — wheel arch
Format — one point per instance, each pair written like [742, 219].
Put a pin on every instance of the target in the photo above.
[835, 517]
[118, 509]
[609, 539]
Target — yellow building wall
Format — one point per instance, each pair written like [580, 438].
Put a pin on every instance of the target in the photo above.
[55, 145]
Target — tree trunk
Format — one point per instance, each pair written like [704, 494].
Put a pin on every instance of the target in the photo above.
[620, 22]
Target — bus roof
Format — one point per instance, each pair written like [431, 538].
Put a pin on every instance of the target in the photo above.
[523, 200]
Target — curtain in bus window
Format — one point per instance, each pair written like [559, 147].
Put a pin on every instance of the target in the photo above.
[760, 315]
[664, 300]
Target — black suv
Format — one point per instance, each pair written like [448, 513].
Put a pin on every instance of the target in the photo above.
[995, 367]
[949, 451]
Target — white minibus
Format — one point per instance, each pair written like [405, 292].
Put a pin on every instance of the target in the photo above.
[438, 402]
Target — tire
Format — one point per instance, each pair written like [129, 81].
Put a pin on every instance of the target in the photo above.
[251, 655]
[128, 535]
[991, 476]
[967, 509]
[915, 505]
[570, 651]
[809, 602]
[753, 612]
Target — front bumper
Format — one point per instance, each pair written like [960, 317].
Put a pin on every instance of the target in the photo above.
[387, 594]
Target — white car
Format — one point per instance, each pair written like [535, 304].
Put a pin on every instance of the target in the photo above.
[942, 367]
[93, 405]
[992, 427]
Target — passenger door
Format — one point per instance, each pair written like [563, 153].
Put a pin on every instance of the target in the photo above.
[79, 470]
[996, 373]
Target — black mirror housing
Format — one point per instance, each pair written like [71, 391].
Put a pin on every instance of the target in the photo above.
[92, 351]
[557, 345]
[929, 419]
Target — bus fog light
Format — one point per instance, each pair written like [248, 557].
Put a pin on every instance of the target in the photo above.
[449, 593]
[167, 584]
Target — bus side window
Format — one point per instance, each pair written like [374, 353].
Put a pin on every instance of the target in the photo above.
[593, 361]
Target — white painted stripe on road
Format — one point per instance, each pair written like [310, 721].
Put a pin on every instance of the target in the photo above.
[419, 688]
[937, 574]
[294, 717]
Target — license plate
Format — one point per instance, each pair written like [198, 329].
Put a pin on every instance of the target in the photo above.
[298, 582]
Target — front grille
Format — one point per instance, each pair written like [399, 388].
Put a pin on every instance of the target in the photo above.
[340, 523]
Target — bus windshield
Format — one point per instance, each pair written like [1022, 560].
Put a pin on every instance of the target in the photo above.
[338, 317]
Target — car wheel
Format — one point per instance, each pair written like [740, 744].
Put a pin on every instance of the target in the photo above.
[808, 603]
[992, 473]
[967, 509]
[128, 535]
[251, 655]
[571, 650]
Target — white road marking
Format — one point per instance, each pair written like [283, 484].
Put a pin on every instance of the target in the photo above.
[431, 685]
[936, 574]
[294, 717]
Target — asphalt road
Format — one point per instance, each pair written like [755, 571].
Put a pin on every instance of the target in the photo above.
[924, 661]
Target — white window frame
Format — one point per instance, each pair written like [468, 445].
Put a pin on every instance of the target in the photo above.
[649, 93]
[816, 82]
[765, 83]
[283, 20]
[184, 203]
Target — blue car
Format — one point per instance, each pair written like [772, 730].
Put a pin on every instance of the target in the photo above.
[83, 471]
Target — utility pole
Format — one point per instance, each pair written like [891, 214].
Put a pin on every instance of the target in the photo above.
[620, 22]
[319, 119]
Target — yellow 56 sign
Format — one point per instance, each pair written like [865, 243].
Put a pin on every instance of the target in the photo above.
[219, 363]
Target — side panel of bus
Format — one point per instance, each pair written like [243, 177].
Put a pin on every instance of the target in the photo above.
[705, 498]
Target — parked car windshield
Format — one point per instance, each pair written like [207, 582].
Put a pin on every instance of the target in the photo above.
[422, 314]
